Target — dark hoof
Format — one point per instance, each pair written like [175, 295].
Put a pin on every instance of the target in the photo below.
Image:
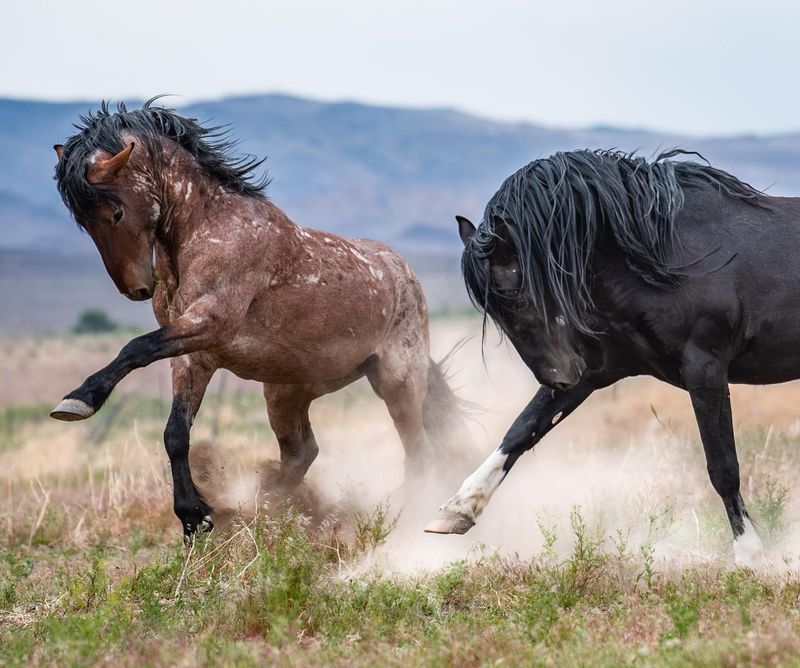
[71, 410]
[190, 528]
[196, 521]
[448, 523]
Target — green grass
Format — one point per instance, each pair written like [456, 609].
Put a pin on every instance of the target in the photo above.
[272, 591]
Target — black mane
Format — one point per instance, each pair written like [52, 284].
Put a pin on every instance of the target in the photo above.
[104, 129]
[555, 208]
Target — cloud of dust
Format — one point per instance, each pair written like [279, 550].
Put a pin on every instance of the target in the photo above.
[629, 458]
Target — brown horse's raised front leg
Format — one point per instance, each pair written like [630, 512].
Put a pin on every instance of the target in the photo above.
[92, 394]
[190, 379]
[208, 324]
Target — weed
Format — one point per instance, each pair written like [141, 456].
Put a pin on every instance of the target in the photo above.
[373, 528]
[769, 509]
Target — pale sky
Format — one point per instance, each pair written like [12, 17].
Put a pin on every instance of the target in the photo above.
[689, 66]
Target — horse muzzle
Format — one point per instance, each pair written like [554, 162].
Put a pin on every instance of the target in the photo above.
[139, 294]
[563, 378]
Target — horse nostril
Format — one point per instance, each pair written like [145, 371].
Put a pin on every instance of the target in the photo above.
[141, 294]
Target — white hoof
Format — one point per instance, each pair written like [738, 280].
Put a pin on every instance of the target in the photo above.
[450, 523]
[71, 410]
[747, 549]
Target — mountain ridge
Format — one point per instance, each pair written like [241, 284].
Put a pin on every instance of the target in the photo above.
[393, 174]
[354, 168]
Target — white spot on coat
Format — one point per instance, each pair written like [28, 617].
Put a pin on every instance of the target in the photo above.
[359, 256]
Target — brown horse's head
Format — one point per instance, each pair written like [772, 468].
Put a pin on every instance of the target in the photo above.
[122, 178]
[118, 211]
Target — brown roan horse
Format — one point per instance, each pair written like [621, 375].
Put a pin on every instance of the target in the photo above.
[236, 285]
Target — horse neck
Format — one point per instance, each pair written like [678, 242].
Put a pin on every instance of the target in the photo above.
[181, 187]
[188, 195]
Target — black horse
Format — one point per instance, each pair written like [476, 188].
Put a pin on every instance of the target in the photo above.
[599, 265]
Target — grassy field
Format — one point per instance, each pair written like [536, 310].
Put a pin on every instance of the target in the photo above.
[607, 546]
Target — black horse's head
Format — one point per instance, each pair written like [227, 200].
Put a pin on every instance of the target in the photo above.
[530, 263]
[495, 280]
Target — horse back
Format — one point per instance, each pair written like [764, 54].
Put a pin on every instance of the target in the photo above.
[736, 292]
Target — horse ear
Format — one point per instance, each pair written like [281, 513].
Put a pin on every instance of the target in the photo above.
[103, 171]
[59, 149]
[465, 229]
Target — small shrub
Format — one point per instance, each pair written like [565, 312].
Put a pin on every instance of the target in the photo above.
[373, 528]
[94, 321]
[769, 509]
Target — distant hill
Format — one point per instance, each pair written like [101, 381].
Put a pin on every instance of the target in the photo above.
[395, 174]
[398, 175]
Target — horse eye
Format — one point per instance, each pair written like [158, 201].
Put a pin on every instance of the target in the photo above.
[119, 214]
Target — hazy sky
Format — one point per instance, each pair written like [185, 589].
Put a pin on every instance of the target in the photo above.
[693, 66]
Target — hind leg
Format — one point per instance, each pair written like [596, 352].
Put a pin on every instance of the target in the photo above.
[403, 386]
[287, 408]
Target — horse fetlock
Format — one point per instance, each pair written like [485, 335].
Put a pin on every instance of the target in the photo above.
[191, 530]
[477, 489]
[194, 516]
[71, 410]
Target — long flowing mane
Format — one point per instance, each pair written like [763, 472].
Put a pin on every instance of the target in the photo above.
[554, 210]
[104, 129]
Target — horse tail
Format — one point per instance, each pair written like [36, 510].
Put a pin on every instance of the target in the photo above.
[444, 417]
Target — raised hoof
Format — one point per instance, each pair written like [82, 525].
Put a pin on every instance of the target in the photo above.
[71, 410]
[450, 523]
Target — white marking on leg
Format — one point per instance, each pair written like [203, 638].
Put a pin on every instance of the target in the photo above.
[747, 548]
[475, 491]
